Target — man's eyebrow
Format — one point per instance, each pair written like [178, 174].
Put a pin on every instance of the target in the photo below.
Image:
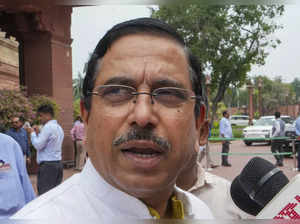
[166, 83]
[120, 80]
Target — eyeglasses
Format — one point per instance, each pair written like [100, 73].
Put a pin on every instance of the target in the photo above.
[166, 96]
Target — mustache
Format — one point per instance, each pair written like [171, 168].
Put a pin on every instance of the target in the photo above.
[142, 134]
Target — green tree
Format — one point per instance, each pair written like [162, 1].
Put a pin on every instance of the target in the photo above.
[227, 39]
[77, 86]
[296, 88]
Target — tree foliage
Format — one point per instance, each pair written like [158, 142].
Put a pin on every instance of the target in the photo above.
[227, 39]
[16, 103]
[77, 84]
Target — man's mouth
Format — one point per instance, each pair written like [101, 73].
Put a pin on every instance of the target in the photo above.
[143, 154]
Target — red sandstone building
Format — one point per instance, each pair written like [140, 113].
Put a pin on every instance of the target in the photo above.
[35, 51]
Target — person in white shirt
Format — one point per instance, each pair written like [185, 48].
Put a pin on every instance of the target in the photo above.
[225, 132]
[276, 144]
[142, 109]
[212, 189]
[48, 144]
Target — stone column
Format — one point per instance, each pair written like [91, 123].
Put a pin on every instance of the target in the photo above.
[47, 64]
[250, 106]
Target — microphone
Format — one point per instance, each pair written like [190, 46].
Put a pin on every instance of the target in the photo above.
[264, 191]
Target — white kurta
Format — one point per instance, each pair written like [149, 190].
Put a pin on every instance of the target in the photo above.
[87, 196]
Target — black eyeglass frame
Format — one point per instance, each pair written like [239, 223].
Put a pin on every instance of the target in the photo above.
[151, 94]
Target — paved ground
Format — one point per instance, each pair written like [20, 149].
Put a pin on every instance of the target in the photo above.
[237, 161]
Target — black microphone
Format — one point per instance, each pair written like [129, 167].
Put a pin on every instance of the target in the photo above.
[257, 184]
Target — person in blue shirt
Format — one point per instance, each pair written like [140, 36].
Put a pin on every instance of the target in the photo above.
[225, 132]
[297, 126]
[15, 186]
[48, 144]
[20, 135]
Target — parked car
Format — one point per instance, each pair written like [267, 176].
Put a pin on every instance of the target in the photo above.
[262, 129]
[239, 120]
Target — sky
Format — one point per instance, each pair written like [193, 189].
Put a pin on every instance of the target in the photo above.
[89, 24]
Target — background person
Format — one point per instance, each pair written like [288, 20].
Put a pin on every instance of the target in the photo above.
[77, 134]
[297, 126]
[206, 152]
[15, 187]
[18, 133]
[142, 114]
[210, 188]
[276, 145]
[48, 144]
[225, 132]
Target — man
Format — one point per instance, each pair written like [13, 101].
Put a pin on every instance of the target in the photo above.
[15, 187]
[297, 126]
[142, 111]
[204, 151]
[77, 134]
[225, 132]
[48, 144]
[18, 133]
[276, 144]
[212, 189]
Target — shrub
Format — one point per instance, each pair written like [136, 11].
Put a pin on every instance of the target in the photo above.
[16, 103]
[76, 109]
[38, 100]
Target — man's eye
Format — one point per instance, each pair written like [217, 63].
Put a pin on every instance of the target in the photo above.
[116, 94]
[175, 93]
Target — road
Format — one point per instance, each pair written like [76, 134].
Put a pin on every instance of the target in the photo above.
[237, 161]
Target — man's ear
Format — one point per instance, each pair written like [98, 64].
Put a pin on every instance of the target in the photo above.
[203, 133]
[201, 117]
[84, 112]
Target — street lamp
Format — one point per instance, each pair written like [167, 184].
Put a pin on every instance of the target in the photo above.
[259, 85]
[250, 106]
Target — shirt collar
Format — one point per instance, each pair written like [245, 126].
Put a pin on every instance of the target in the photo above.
[92, 182]
[203, 178]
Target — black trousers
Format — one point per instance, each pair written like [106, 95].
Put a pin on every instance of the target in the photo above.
[225, 149]
[50, 174]
[276, 147]
[298, 153]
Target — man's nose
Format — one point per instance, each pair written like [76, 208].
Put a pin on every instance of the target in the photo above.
[143, 111]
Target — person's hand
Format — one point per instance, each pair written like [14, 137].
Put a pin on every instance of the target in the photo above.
[28, 160]
[36, 129]
[29, 130]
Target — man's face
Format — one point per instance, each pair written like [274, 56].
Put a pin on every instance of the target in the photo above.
[141, 166]
[227, 115]
[44, 117]
[16, 123]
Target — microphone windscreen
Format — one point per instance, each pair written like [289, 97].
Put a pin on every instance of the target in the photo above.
[248, 182]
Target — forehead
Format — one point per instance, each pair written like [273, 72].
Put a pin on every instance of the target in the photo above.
[15, 119]
[145, 58]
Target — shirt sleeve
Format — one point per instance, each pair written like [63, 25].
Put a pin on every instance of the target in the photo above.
[298, 126]
[40, 141]
[277, 129]
[28, 153]
[23, 175]
[73, 133]
[222, 128]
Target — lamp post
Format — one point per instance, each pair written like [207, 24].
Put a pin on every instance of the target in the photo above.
[250, 105]
[259, 85]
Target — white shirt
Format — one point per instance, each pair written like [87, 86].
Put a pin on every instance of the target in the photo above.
[88, 196]
[215, 192]
[48, 142]
[225, 128]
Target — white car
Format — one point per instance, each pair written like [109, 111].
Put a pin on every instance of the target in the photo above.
[239, 120]
[262, 129]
